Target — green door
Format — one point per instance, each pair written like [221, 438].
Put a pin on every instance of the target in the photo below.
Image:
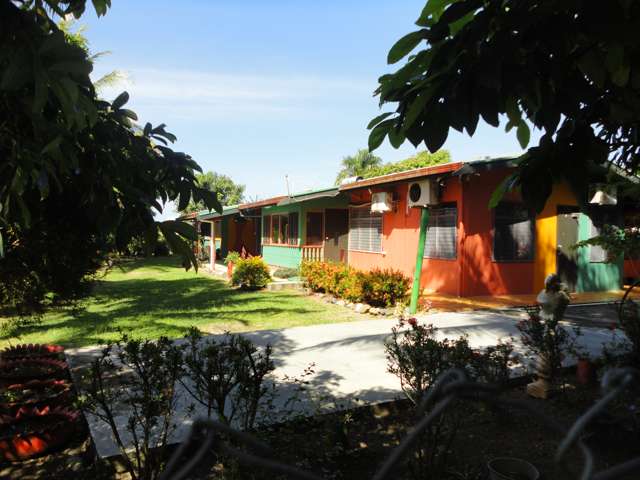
[567, 236]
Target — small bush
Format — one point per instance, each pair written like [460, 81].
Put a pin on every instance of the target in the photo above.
[284, 272]
[350, 286]
[385, 288]
[251, 273]
[227, 376]
[380, 288]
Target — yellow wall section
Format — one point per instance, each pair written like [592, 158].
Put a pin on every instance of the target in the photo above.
[546, 234]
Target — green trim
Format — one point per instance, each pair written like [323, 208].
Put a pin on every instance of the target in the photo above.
[415, 291]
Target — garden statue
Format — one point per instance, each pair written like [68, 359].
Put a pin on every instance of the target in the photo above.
[553, 301]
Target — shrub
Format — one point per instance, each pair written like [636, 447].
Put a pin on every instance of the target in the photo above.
[417, 357]
[385, 288]
[382, 288]
[350, 286]
[140, 382]
[227, 372]
[548, 340]
[251, 273]
[283, 272]
[324, 276]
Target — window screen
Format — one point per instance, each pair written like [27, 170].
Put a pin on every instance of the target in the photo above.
[266, 229]
[513, 233]
[314, 228]
[275, 228]
[365, 230]
[442, 233]
[293, 228]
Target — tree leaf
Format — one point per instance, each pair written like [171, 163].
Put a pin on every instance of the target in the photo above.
[523, 134]
[403, 46]
[128, 113]
[378, 119]
[396, 137]
[376, 137]
[435, 128]
[120, 101]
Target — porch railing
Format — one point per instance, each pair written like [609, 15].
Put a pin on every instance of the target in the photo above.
[312, 253]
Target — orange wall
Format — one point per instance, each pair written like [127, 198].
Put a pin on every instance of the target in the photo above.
[473, 272]
[400, 229]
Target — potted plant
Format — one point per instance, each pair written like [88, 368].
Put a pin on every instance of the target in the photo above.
[32, 350]
[34, 393]
[35, 431]
[32, 368]
[231, 259]
[585, 371]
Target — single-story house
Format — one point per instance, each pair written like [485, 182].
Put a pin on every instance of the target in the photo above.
[470, 249]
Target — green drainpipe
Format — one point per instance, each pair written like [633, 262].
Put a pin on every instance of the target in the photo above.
[415, 291]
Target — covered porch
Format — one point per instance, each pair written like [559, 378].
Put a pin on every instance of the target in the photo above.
[310, 226]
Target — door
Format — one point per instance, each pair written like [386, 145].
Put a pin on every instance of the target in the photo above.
[566, 257]
[336, 234]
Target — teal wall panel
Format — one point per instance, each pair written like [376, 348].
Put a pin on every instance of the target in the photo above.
[282, 256]
[595, 276]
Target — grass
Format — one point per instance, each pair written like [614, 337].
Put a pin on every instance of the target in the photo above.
[149, 298]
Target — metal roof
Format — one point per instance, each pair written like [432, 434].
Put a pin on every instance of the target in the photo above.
[226, 211]
[330, 192]
[262, 203]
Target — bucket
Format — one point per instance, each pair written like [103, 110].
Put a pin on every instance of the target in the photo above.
[512, 469]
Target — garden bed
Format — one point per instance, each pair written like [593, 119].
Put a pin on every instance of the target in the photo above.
[354, 444]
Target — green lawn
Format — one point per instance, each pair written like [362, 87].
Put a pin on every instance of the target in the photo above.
[153, 297]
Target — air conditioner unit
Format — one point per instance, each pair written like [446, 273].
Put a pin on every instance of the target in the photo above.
[381, 202]
[603, 194]
[422, 194]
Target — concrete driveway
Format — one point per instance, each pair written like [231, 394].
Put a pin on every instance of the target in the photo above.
[349, 359]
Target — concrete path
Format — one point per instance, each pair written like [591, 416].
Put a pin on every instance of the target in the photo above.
[349, 359]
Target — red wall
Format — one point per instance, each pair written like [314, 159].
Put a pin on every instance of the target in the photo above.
[482, 275]
[473, 272]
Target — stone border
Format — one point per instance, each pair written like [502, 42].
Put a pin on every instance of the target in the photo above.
[358, 307]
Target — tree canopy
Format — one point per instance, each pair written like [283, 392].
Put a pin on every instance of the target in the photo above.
[75, 166]
[227, 191]
[357, 165]
[569, 68]
[419, 160]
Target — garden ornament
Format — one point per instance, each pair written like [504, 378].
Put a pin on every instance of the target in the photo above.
[553, 301]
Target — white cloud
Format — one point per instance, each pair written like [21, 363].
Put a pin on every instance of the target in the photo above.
[192, 94]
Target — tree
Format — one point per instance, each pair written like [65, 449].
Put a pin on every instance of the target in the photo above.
[357, 165]
[228, 192]
[570, 69]
[419, 160]
[77, 37]
[77, 174]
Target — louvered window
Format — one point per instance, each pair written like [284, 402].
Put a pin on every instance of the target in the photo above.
[442, 233]
[293, 228]
[513, 235]
[365, 230]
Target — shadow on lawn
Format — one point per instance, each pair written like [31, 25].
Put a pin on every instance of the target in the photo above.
[150, 308]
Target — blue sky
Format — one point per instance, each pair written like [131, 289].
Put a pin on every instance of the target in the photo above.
[262, 89]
